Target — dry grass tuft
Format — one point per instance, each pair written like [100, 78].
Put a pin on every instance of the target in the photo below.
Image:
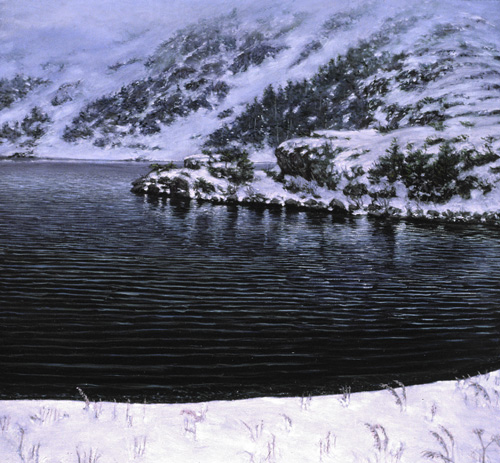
[326, 445]
[4, 423]
[399, 397]
[90, 456]
[345, 400]
[255, 431]
[139, 446]
[380, 437]
[482, 453]
[84, 397]
[447, 453]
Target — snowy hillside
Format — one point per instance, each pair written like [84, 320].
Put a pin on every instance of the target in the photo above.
[158, 82]
[373, 107]
[401, 121]
[174, 67]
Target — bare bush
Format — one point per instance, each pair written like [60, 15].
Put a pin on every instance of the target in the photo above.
[482, 453]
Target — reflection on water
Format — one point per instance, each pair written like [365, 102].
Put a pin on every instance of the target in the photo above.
[127, 297]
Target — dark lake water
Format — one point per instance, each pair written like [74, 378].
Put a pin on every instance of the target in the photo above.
[130, 298]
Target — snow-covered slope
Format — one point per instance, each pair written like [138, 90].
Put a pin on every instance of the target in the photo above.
[156, 79]
[379, 106]
[81, 52]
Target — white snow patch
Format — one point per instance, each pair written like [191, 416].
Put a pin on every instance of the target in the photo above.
[445, 418]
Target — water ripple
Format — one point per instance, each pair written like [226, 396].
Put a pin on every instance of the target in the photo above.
[167, 301]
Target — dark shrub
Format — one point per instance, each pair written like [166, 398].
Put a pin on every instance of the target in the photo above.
[238, 169]
[204, 186]
[390, 166]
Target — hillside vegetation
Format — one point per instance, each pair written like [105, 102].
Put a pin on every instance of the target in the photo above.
[391, 110]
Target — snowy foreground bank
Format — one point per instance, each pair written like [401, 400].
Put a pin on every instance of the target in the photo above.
[450, 421]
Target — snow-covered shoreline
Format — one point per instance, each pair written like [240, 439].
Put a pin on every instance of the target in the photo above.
[448, 213]
[453, 421]
[416, 176]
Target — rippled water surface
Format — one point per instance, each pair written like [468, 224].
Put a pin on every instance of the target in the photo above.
[182, 302]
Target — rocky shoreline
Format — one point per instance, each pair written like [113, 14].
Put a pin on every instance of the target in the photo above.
[451, 180]
[335, 207]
